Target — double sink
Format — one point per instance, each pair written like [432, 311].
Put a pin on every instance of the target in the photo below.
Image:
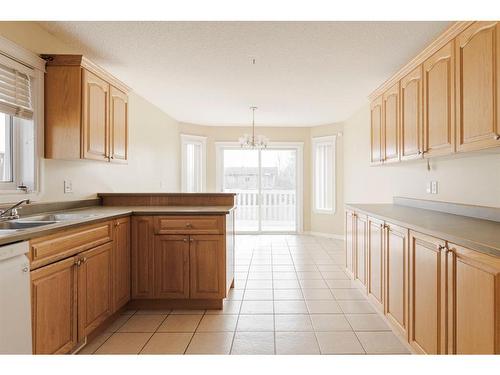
[10, 226]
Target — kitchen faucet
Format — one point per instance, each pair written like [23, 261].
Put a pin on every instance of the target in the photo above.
[12, 210]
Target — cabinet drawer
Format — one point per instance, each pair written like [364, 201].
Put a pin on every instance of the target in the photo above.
[189, 225]
[59, 245]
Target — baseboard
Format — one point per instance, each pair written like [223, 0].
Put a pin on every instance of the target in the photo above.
[326, 235]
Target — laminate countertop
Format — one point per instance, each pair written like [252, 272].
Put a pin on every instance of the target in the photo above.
[475, 234]
[101, 213]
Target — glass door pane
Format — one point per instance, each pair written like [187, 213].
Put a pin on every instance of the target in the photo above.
[279, 190]
[241, 176]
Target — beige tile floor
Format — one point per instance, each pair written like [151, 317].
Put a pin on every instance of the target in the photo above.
[291, 296]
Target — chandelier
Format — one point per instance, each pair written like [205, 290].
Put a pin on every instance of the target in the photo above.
[252, 141]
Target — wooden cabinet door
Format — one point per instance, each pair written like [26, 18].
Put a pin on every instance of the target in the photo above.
[473, 302]
[95, 302]
[411, 115]
[207, 263]
[118, 114]
[390, 124]
[171, 260]
[350, 242]
[95, 127]
[375, 266]
[121, 263]
[142, 257]
[478, 86]
[376, 131]
[427, 294]
[54, 308]
[439, 102]
[361, 245]
[396, 276]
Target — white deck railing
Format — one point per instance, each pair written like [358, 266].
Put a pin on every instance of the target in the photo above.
[277, 205]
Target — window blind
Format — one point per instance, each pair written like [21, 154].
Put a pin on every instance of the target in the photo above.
[15, 92]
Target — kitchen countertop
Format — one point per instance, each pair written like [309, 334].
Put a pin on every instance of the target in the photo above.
[100, 213]
[476, 234]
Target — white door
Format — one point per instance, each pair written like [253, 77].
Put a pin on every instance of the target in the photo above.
[267, 186]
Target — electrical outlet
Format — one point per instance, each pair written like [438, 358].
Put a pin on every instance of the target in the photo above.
[68, 186]
[434, 187]
[428, 188]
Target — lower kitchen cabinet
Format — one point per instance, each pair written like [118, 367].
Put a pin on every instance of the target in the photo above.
[142, 257]
[427, 294]
[375, 262]
[360, 245]
[171, 266]
[95, 302]
[207, 266]
[473, 302]
[444, 298]
[121, 263]
[396, 276]
[54, 308]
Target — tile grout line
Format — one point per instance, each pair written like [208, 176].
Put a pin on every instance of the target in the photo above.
[194, 332]
[112, 333]
[152, 334]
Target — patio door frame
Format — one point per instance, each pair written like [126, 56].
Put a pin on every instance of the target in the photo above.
[299, 149]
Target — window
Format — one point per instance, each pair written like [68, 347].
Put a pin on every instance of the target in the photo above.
[324, 174]
[21, 106]
[193, 162]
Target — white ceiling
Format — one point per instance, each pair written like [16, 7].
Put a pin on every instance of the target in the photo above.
[306, 73]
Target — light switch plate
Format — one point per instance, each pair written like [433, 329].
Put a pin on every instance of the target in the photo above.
[68, 186]
[434, 187]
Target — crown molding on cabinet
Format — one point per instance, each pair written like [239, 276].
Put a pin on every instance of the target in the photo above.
[449, 34]
[73, 60]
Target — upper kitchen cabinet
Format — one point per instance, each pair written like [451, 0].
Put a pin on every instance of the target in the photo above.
[86, 111]
[439, 103]
[376, 131]
[411, 115]
[477, 81]
[390, 124]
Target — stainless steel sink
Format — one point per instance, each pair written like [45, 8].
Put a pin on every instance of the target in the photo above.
[23, 224]
[56, 217]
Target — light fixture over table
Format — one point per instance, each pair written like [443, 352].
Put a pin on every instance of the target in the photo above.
[252, 141]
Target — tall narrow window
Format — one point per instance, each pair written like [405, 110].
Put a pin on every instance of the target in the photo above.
[324, 174]
[193, 163]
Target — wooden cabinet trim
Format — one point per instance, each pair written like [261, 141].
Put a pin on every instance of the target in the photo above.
[116, 136]
[391, 115]
[376, 261]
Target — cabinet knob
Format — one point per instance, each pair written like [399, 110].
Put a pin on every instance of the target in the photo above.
[191, 240]
[496, 137]
[26, 269]
[185, 240]
[78, 263]
[188, 225]
[441, 247]
[84, 260]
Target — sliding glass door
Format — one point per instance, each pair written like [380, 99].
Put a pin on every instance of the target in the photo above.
[266, 183]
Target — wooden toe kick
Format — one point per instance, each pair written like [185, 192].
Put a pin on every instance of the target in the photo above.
[184, 304]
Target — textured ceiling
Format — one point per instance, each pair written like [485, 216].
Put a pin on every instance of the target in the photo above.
[305, 74]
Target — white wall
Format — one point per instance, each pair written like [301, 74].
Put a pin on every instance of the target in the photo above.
[153, 140]
[468, 178]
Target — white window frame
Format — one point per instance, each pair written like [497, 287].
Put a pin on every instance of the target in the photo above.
[22, 59]
[316, 141]
[199, 140]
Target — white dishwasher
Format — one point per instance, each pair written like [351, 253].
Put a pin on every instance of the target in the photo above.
[15, 305]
